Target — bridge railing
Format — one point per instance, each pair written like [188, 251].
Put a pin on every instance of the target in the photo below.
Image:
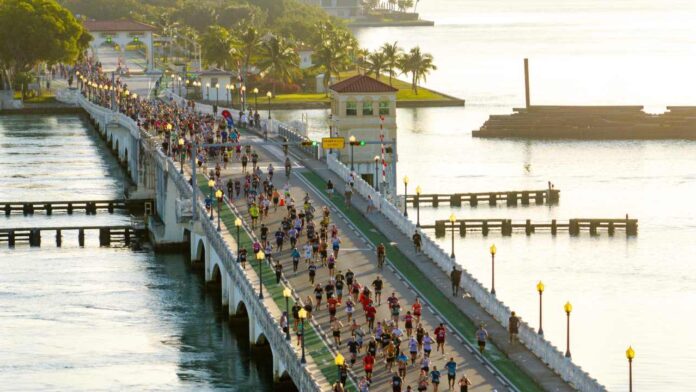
[537, 344]
[274, 334]
[273, 331]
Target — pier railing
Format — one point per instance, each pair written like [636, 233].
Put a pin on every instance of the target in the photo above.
[542, 348]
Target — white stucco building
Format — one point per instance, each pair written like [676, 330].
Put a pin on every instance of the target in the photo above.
[120, 34]
[214, 83]
[339, 8]
[365, 108]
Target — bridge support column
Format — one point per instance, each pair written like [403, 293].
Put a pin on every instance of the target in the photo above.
[59, 238]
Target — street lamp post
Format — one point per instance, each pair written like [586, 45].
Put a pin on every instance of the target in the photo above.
[227, 94]
[302, 313]
[182, 153]
[256, 98]
[352, 140]
[452, 219]
[269, 95]
[339, 361]
[568, 308]
[493, 250]
[630, 354]
[287, 293]
[540, 289]
[179, 84]
[217, 93]
[232, 93]
[238, 225]
[211, 186]
[169, 138]
[218, 196]
[260, 257]
[418, 192]
[406, 196]
[242, 97]
[376, 181]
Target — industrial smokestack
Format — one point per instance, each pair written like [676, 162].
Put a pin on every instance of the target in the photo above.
[526, 82]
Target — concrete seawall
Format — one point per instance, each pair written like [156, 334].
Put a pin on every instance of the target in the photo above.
[592, 122]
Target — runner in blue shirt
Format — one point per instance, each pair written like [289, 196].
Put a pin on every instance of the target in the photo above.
[435, 378]
[451, 372]
[295, 259]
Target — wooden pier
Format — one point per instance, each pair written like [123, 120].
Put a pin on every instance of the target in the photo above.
[119, 234]
[507, 226]
[90, 207]
[511, 198]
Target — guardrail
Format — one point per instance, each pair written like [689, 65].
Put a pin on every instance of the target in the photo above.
[537, 344]
[274, 334]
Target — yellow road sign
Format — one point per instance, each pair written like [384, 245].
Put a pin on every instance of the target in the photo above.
[333, 142]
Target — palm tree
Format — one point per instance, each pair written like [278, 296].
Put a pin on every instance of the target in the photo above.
[418, 64]
[248, 41]
[391, 52]
[279, 60]
[376, 62]
[333, 53]
[216, 45]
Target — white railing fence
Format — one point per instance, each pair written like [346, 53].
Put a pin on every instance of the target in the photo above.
[542, 348]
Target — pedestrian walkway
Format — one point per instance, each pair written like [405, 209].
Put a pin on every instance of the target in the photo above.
[358, 254]
[461, 311]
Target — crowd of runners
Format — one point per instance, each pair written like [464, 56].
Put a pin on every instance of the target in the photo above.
[398, 344]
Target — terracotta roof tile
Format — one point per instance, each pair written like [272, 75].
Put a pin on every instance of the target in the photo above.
[362, 84]
[117, 25]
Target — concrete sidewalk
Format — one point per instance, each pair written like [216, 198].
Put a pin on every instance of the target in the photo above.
[470, 313]
[359, 255]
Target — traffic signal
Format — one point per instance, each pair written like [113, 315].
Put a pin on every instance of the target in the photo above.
[308, 143]
[358, 143]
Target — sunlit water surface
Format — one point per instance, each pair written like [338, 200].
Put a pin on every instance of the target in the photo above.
[95, 318]
[639, 291]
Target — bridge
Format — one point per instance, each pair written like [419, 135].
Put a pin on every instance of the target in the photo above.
[177, 224]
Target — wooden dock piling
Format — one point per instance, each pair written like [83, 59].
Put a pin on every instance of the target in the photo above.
[507, 226]
[511, 198]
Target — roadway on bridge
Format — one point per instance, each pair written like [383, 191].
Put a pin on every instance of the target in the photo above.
[137, 82]
[358, 253]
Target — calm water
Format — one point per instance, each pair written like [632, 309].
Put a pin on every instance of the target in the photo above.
[639, 291]
[101, 318]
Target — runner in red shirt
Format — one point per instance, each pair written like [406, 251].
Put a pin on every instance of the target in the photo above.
[417, 307]
[368, 363]
[332, 303]
[370, 313]
[408, 320]
[440, 333]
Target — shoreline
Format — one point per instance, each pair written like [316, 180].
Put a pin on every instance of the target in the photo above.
[453, 102]
[393, 23]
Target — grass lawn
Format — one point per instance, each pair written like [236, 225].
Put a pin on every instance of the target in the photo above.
[405, 92]
[44, 98]
[282, 98]
[314, 345]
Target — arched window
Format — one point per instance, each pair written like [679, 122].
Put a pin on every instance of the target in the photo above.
[384, 108]
[351, 108]
[367, 108]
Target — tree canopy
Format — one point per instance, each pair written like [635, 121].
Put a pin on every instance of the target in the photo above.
[35, 31]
